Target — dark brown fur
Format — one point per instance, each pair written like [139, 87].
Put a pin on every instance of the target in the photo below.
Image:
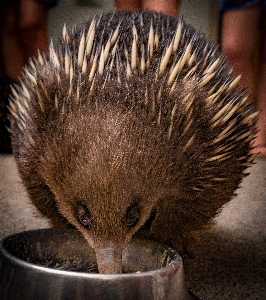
[100, 161]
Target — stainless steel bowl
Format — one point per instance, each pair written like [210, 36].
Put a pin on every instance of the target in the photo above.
[58, 264]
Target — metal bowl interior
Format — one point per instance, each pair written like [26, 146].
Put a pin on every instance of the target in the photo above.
[62, 249]
[58, 263]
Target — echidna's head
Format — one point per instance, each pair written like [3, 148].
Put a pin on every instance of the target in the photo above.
[102, 187]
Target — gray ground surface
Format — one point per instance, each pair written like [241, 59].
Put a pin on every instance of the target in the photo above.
[230, 261]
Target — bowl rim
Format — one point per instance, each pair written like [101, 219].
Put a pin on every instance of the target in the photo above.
[174, 266]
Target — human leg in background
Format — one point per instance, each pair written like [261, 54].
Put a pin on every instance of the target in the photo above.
[240, 39]
[170, 7]
[23, 31]
[33, 27]
[128, 4]
[13, 53]
[260, 141]
[10, 56]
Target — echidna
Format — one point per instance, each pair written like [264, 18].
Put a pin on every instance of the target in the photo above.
[132, 119]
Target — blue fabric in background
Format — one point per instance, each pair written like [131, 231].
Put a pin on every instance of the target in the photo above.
[236, 4]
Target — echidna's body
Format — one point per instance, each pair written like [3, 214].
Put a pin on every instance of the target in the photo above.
[131, 115]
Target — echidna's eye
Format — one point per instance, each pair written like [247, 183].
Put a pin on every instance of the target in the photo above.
[84, 215]
[132, 215]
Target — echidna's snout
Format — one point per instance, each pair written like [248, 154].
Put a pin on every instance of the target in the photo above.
[109, 258]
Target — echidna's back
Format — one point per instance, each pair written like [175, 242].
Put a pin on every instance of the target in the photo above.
[140, 70]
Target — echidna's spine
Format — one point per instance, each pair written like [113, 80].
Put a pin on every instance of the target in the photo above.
[96, 53]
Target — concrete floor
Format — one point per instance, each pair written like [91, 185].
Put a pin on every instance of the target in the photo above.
[229, 262]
